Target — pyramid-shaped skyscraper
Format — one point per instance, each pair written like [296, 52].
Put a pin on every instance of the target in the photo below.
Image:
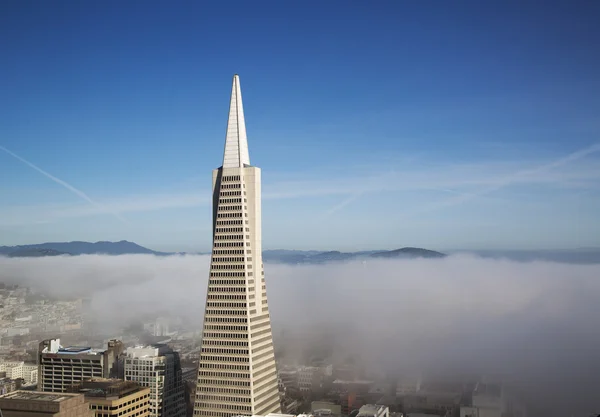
[237, 373]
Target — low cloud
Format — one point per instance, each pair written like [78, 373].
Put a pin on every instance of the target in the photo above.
[535, 324]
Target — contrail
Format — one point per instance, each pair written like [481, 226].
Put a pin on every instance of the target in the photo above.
[68, 186]
[515, 177]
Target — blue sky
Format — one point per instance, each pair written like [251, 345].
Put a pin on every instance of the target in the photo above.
[385, 124]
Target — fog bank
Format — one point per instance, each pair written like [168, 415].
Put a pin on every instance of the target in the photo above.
[535, 323]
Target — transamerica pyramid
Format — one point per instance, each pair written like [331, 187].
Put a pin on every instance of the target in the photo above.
[236, 373]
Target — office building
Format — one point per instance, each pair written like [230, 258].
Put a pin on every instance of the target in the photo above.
[115, 397]
[61, 367]
[20, 369]
[158, 368]
[237, 372]
[44, 404]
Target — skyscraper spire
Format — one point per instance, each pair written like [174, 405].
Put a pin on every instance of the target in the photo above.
[236, 143]
[237, 373]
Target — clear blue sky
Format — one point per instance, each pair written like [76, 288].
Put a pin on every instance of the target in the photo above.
[384, 124]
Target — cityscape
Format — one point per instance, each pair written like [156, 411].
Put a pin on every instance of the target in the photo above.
[239, 326]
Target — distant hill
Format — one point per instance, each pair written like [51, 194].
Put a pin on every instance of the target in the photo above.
[35, 253]
[409, 253]
[77, 248]
[314, 257]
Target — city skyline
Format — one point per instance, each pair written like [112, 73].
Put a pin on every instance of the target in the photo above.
[475, 129]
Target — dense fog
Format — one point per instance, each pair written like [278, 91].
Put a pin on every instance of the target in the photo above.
[535, 324]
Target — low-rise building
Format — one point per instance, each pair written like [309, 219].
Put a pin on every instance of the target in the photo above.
[7, 385]
[44, 404]
[114, 397]
[20, 369]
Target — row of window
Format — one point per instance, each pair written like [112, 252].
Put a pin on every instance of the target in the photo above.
[230, 244]
[230, 193]
[214, 413]
[231, 237]
[230, 222]
[227, 335]
[225, 390]
[226, 297]
[241, 408]
[224, 343]
[230, 305]
[229, 251]
[228, 274]
[226, 319]
[229, 266]
[212, 358]
[230, 215]
[221, 366]
[230, 200]
[229, 208]
[223, 398]
[227, 282]
[226, 312]
[230, 259]
[226, 289]
[230, 178]
[226, 328]
[224, 374]
[230, 229]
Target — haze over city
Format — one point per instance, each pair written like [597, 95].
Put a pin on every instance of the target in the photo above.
[415, 186]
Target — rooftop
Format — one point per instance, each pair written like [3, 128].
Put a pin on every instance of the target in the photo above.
[371, 409]
[106, 388]
[37, 396]
[74, 349]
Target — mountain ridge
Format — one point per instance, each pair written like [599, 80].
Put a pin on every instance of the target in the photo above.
[125, 247]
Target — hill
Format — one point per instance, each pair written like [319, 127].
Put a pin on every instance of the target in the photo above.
[77, 248]
[314, 257]
[35, 253]
[409, 253]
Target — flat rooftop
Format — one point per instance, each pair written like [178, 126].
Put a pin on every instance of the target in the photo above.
[37, 396]
[74, 349]
[106, 388]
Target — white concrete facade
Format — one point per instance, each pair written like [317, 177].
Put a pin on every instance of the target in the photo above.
[157, 368]
[15, 370]
[237, 374]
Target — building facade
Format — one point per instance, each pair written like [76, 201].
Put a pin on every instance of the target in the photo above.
[115, 397]
[61, 367]
[44, 404]
[237, 374]
[20, 369]
[158, 368]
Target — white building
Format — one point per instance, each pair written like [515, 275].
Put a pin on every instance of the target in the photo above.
[158, 368]
[16, 370]
[237, 372]
[61, 367]
[309, 378]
